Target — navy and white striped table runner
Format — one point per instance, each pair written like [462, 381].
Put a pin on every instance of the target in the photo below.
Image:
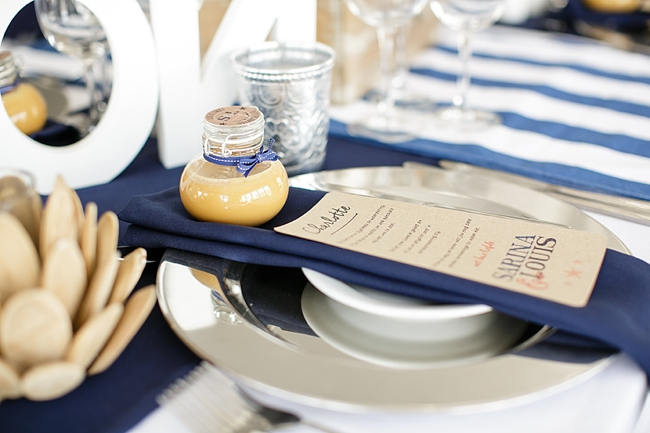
[575, 112]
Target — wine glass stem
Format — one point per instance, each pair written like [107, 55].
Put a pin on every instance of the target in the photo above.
[104, 67]
[386, 39]
[91, 88]
[401, 60]
[465, 53]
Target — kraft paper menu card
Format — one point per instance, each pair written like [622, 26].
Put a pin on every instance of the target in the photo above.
[537, 259]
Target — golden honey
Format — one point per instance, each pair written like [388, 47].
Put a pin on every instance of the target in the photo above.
[220, 191]
[23, 102]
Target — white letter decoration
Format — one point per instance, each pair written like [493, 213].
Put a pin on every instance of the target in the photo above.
[189, 88]
[129, 116]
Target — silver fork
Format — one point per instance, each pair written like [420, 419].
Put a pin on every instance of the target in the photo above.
[208, 401]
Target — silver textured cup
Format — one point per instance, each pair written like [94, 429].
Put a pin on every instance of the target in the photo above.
[290, 83]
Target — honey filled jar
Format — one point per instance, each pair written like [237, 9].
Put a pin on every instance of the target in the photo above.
[24, 103]
[236, 180]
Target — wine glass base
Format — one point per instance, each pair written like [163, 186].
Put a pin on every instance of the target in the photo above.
[416, 103]
[387, 129]
[467, 119]
[385, 135]
[405, 99]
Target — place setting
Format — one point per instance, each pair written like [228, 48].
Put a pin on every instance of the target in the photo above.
[343, 216]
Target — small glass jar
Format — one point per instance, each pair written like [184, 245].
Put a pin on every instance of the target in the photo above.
[236, 180]
[24, 103]
[19, 198]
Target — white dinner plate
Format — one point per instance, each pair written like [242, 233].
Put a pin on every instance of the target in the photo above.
[387, 304]
[410, 344]
[403, 331]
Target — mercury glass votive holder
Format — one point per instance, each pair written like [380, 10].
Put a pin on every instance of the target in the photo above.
[290, 84]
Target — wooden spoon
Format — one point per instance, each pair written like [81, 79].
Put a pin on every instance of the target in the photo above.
[51, 380]
[59, 217]
[9, 381]
[19, 264]
[88, 239]
[92, 336]
[34, 327]
[107, 233]
[128, 275]
[99, 289]
[136, 311]
[64, 273]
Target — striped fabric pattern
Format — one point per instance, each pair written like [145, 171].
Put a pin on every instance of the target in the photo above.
[575, 112]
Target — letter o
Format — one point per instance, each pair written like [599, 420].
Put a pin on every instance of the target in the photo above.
[127, 121]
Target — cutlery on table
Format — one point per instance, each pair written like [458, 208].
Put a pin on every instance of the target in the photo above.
[617, 206]
[208, 401]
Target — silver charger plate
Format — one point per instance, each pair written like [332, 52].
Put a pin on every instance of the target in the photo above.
[214, 319]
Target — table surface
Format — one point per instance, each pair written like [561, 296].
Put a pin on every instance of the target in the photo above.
[119, 399]
[587, 406]
[113, 412]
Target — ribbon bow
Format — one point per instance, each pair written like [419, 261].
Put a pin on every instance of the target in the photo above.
[245, 164]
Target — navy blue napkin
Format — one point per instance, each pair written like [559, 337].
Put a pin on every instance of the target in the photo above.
[617, 313]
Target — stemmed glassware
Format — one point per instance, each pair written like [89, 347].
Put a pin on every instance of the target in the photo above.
[387, 17]
[466, 17]
[405, 97]
[73, 29]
